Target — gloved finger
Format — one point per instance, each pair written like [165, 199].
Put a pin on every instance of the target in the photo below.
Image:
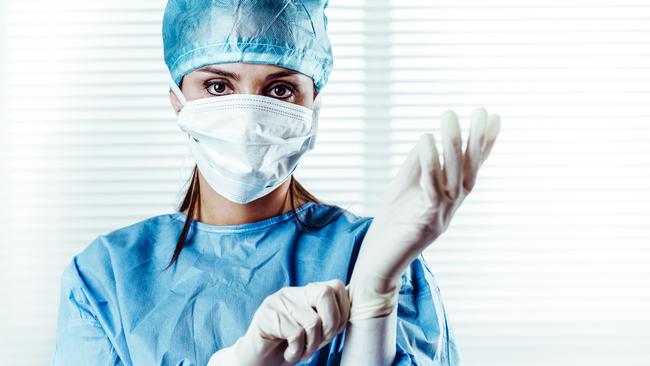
[406, 177]
[271, 321]
[294, 315]
[322, 296]
[303, 312]
[295, 347]
[431, 177]
[453, 155]
[493, 129]
[273, 324]
[342, 302]
[475, 143]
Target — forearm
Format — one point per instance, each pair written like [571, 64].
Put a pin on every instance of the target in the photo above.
[371, 341]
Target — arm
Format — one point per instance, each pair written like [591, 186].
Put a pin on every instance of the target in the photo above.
[80, 338]
[414, 211]
[370, 341]
[416, 332]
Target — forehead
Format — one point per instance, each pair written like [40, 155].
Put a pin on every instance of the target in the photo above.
[241, 67]
[243, 71]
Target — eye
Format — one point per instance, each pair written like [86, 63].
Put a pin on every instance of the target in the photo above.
[216, 87]
[282, 91]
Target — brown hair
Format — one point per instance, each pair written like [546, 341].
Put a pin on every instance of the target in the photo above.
[192, 200]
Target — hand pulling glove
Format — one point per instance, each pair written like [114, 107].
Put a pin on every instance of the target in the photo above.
[289, 326]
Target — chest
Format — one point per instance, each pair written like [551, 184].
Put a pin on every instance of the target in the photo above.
[211, 304]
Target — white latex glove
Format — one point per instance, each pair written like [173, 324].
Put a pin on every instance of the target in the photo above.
[289, 326]
[416, 208]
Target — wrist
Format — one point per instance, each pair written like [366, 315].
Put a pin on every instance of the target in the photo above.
[376, 283]
[370, 341]
[372, 300]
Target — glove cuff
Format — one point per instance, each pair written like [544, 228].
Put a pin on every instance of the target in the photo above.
[367, 303]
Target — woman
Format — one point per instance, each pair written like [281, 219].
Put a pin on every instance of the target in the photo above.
[251, 269]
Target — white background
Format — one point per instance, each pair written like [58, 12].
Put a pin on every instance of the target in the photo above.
[546, 263]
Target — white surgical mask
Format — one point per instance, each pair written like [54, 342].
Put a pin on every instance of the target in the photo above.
[246, 145]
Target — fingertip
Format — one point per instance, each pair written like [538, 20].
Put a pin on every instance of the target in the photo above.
[494, 126]
[497, 123]
[479, 113]
[450, 126]
[426, 138]
[479, 125]
[292, 353]
[479, 120]
[428, 154]
[449, 114]
[427, 142]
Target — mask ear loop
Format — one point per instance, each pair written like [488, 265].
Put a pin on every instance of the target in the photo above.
[180, 179]
[314, 117]
[177, 91]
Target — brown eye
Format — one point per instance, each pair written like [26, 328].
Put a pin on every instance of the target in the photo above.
[282, 91]
[216, 87]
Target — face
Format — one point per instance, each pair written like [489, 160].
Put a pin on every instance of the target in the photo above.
[243, 78]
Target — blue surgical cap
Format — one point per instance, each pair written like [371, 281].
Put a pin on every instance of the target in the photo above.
[287, 33]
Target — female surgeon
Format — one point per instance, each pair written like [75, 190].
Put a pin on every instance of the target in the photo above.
[253, 269]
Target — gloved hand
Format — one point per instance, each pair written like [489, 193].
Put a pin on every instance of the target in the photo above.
[289, 326]
[416, 208]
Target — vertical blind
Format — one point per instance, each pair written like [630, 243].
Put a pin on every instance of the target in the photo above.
[547, 261]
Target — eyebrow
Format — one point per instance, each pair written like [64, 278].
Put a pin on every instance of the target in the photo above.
[214, 70]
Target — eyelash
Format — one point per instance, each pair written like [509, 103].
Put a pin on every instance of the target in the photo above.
[209, 83]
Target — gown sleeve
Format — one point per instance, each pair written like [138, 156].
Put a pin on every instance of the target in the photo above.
[80, 338]
[424, 336]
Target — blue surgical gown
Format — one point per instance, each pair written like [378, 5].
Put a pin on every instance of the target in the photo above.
[118, 307]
